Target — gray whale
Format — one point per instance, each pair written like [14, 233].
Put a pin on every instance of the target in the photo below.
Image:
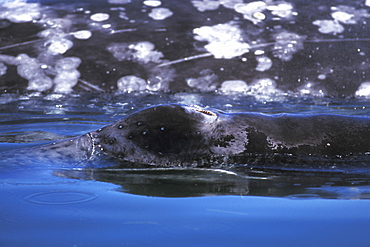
[179, 135]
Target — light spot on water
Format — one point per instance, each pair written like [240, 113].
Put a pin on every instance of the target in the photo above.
[259, 16]
[131, 83]
[83, 34]
[329, 26]
[363, 90]
[259, 52]
[160, 13]
[225, 40]
[152, 3]
[264, 63]
[119, 1]
[99, 17]
[321, 77]
[206, 5]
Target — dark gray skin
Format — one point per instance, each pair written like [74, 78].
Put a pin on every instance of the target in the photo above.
[180, 135]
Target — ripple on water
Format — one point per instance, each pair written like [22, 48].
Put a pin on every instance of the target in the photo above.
[59, 197]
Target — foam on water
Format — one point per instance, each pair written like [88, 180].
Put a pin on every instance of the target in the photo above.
[224, 40]
[160, 13]
[265, 31]
[152, 3]
[20, 11]
[131, 83]
[99, 17]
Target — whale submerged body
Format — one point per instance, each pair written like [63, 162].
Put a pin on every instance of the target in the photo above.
[175, 135]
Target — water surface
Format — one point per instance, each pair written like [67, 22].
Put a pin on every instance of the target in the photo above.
[98, 61]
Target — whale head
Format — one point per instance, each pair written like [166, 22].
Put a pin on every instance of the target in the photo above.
[170, 135]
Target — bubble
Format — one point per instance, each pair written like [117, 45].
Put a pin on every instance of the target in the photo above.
[120, 126]
[82, 34]
[30, 69]
[321, 77]
[59, 23]
[264, 86]
[206, 5]
[287, 43]
[20, 11]
[281, 9]
[51, 33]
[348, 15]
[99, 17]
[3, 69]
[40, 84]
[142, 52]
[329, 26]
[67, 75]
[312, 89]
[145, 52]
[363, 90]
[65, 80]
[67, 63]
[131, 83]
[8, 59]
[59, 46]
[259, 16]
[119, 1]
[249, 9]
[264, 63]
[225, 40]
[234, 86]
[160, 13]
[27, 67]
[206, 82]
[343, 17]
[152, 3]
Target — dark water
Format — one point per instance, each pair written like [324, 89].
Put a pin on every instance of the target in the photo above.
[51, 206]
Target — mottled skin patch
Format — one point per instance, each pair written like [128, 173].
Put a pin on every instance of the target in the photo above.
[179, 135]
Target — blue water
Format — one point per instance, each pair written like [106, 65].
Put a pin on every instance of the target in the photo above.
[56, 207]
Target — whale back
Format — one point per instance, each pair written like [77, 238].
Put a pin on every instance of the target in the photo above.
[158, 135]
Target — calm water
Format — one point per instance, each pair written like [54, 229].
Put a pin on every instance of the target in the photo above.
[315, 71]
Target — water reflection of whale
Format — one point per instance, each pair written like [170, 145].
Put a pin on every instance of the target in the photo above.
[176, 135]
[190, 182]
